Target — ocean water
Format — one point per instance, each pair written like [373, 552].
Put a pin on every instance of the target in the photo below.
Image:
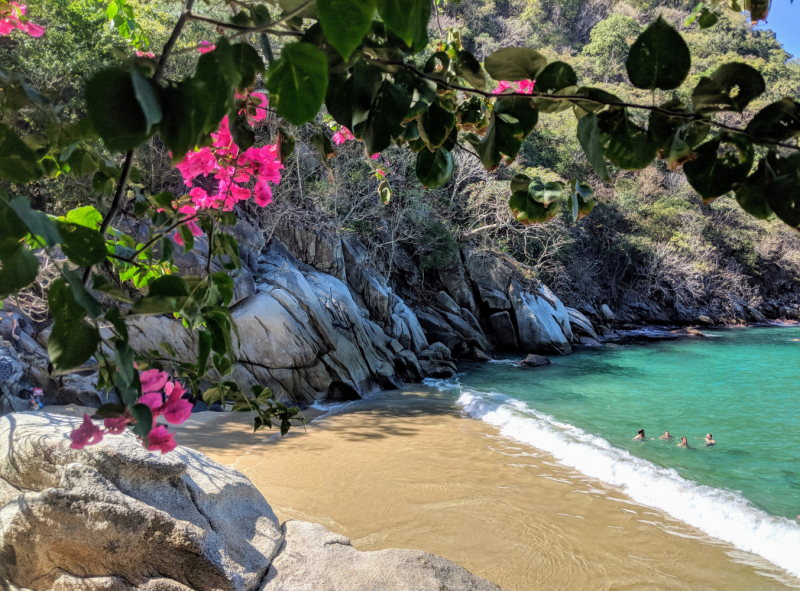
[742, 385]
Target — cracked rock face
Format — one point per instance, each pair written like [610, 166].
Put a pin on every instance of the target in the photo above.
[114, 517]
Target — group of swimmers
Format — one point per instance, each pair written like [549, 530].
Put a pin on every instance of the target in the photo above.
[709, 440]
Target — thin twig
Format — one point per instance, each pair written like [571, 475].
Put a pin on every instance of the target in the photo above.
[268, 28]
[173, 38]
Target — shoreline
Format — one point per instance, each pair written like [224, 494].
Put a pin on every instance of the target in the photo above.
[408, 469]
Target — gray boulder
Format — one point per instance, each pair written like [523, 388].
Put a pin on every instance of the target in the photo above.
[314, 559]
[455, 282]
[581, 324]
[114, 516]
[447, 303]
[534, 361]
[504, 330]
[542, 320]
[607, 313]
[321, 250]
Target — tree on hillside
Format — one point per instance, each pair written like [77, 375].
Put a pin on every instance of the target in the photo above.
[372, 68]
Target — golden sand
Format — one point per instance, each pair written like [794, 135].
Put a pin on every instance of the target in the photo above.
[407, 470]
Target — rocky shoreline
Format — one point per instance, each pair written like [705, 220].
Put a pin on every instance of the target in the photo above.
[319, 321]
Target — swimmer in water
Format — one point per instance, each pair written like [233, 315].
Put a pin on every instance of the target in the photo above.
[666, 436]
[710, 440]
[684, 443]
[640, 436]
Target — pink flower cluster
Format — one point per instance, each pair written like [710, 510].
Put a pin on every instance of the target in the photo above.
[147, 54]
[12, 16]
[342, 136]
[206, 46]
[524, 86]
[230, 168]
[175, 410]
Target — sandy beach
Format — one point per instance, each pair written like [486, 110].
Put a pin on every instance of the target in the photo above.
[407, 470]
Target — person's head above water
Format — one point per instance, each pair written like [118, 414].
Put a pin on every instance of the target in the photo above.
[708, 436]
[641, 432]
[683, 440]
[666, 434]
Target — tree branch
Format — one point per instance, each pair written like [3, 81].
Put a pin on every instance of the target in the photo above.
[268, 28]
[581, 98]
[173, 38]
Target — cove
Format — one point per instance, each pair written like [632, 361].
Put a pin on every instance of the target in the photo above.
[739, 384]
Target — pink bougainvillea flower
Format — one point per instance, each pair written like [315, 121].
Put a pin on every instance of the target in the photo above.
[260, 103]
[116, 425]
[502, 86]
[176, 409]
[206, 46]
[161, 440]
[201, 198]
[375, 156]
[342, 136]
[149, 54]
[262, 193]
[153, 380]
[526, 86]
[193, 227]
[87, 434]
[34, 30]
[155, 400]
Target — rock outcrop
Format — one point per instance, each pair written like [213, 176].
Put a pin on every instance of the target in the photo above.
[114, 517]
[314, 559]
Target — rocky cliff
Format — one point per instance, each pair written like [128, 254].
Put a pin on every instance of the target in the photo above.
[317, 321]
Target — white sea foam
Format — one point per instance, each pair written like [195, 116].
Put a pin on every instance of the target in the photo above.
[723, 514]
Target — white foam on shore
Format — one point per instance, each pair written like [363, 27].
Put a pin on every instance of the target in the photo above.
[723, 514]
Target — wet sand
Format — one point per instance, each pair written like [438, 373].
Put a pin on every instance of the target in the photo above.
[406, 470]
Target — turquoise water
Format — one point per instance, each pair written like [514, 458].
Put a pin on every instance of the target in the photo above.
[742, 385]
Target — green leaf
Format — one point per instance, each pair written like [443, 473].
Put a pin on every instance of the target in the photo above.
[19, 269]
[783, 187]
[144, 421]
[470, 69]
[514, 64]
[519, 182]
[322, 144]
[290, 6]
[545, 193]
[589, 137]
[81, 295]
[707, 19]
[600, 99]
[528, 211]
[435, 124]
[241, 131]
[151, 306]
[62, 304]
[659, 58]
[513, 119]
[248, 63]
[72, 343]
[435, 168]
[751, 194]
[423, 97]
[114, 316]
[777, 122]
[187, 237]
[345, 22]
[115, 111]
[297, 82]
[624, 143]
[286, 144]
[385, 118]
[170, 286]
[384, 191]
[83, 246]
[143, 89]
[85, 216]
[719, 164]
[730, 88]
[663, 128]
[37, 222]
[103, 285]
[582, 202]
[554, 77]
[408, 19]
[18, 163]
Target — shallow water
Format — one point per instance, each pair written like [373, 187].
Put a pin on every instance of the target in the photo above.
[742, 385]
[411, 470]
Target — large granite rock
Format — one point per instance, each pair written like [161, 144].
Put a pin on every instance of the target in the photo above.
[115, 517]
[321, 250]
[542, 320]
[314, 559]
[581, 324]
[455, 282]
[300, 334]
